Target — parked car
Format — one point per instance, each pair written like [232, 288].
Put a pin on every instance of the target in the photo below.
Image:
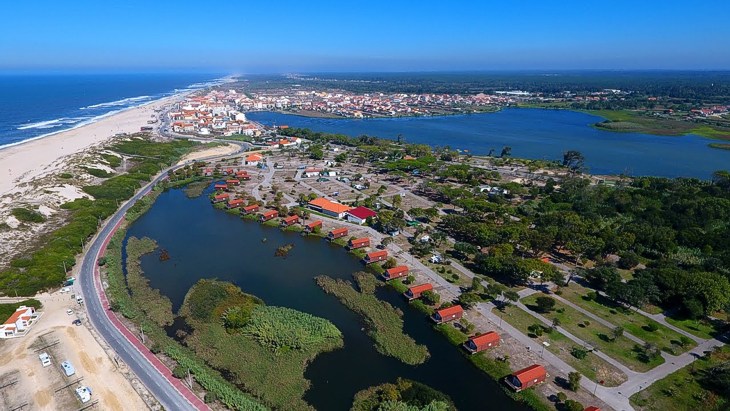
[65, 290]
[45, 359]
[69, 311]
[68, 369]
[84, 394]
[76, 322]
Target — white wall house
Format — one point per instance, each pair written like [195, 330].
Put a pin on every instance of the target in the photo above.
[18, 323]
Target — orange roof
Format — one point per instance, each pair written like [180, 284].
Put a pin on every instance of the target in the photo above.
[592, 408]
[328, 205]
[291, 218]
[454, 309]
[360, 240]
[530, 373]
[254, 157]
[421, 288]
[339, 230]
[313, 224]
[485, 338]
[376, 254]
[16, 315]
[270, 213]
[397, 270]
[251, 207]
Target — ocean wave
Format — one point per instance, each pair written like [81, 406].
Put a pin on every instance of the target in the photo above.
[116, 103]
[57, 122]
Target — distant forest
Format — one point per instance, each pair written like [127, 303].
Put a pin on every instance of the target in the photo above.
[707, 86]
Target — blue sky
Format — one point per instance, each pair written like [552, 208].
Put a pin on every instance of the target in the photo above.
[286, 36]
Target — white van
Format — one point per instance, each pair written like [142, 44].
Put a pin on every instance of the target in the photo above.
[68, 369]
[79, 299]
[45, 359]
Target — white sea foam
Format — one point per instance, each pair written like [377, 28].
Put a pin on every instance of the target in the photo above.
[63, 121]
[117, 103]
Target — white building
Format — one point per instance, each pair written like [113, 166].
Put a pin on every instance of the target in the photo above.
[18, 323]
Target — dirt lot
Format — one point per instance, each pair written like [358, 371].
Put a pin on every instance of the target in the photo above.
[54, 334]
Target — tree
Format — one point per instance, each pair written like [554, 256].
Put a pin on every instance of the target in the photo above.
[535, 330]
[476, 285]
[574, 381]
[511, 295]
[506, 151]
[616, 333]
[579, 352]
[390, 263]
[574, 160]
[556, 323]
[545, 304]
[397, 200]
[572, 405]
[430, 297]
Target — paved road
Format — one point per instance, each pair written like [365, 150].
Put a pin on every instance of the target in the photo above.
[151, 375]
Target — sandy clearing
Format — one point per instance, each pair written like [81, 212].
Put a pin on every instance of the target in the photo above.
[77, 345]
[215, 151]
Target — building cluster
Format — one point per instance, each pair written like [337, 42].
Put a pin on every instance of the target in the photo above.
[216, 112]
[345, 104]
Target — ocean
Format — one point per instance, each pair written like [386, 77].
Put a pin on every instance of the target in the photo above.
[34, 106]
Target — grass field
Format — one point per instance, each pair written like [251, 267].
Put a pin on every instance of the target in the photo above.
[682, 391]
[599, 336]
[633, 121]
[700, 328]
[592, 367]
[631, 321]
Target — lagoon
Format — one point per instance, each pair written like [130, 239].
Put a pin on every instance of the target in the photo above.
[204, 242]
[536, 134]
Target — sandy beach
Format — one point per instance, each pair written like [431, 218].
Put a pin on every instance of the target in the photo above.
[27, 161]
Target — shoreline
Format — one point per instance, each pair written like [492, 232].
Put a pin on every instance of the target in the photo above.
[26, 160]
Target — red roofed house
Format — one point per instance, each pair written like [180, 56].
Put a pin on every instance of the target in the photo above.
[375, 256]
[220, 187]
[312, 226]
[482, 342]
[220, 197]
[235, 203]
[592, 408]
[243, 175]
[455, 312]
[288, 221]
[233, 182]
[18, 322]
[416, 291]
[356, 243]
[337, 233]
[269, 215]
[527, 377]
[395, 272]
[253, 159]
[250, 209]
[359, 215]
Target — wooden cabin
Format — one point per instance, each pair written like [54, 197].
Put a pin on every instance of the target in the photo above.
[219, 198]
[268, 215]
[416, 291]
[455, 312]
[310, 227]
[235, 203]
[249, 209]
[482, 342]
[232, 182]
[395, 272]
[289, 221]
[337, 233]
[527, 377]
[356, 243]
[220, 187]
[375, 256]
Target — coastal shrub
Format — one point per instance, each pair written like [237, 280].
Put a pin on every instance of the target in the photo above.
[151, 302]
[284, 328]
[65, 175]
[96, 172]
[112, 160]
[6, 310]
[27, 215]
[209, 299]
[403, 395]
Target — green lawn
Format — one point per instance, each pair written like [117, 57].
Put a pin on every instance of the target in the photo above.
[682, 391]
[701, 328]
[592, 367]
[622, 349]
[630, 320]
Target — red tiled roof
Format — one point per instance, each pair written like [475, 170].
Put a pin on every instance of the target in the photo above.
[454, 309]
[362, 212]
[16, 315]
[397, 270]
[377, 254]
[526, 375]
[339, 230]
[417, 289]
[485, 338]
[328, 205]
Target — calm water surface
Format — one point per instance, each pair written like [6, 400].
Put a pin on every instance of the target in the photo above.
[208, 243]
[538, 134]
